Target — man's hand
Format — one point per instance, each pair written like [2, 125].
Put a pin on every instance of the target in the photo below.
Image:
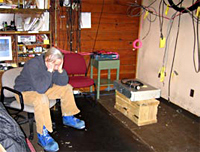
[50, 66]
[60, 69]
[54, 65]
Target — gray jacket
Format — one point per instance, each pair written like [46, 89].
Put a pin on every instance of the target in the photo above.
[35, 77]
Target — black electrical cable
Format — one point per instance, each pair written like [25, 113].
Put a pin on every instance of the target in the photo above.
[196, 38]
[71, 27]
[73, 7]
[161, 20]
[62, 37]
[182, 9]
[135, 8]
[68, 28]
[194, 17]
[167, 39]
[149, 16]
[176, 4]
[98, 26]
[77, 25]
[198, 47]
[194, 63]
[79, 38]
[148, 29]
[96, 33]
[174, 55]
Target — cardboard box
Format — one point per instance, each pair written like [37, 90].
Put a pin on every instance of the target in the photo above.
[140, 112]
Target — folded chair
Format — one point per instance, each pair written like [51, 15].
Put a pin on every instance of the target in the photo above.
[9, 101]
[76, 68]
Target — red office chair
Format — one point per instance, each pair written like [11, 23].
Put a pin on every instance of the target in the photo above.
[76, 68]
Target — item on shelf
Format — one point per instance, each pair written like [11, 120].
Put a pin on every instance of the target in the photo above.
[43, 4]
[45, 26]
[19, 24]
[37, 49]
[4, 26]
[30, 30]
[7, 66]
[104, 55]
[26, 38]
[7, 6]
[27, 4]
[21, 64]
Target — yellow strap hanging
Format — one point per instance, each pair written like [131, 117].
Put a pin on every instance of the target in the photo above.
[198, 10]
[146, 14]
[162, 42]
[162, 74]
[167, 9]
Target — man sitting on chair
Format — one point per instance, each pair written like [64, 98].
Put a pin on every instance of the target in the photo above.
[42, 79]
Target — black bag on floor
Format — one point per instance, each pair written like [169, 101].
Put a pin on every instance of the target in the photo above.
[11, 136]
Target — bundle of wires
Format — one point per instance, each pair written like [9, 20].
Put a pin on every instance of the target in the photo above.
[135, 10]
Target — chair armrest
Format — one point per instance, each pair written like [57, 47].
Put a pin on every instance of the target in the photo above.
[14, 91]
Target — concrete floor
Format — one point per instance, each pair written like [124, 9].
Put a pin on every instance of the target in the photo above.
[103, 132]
[176, 130]
[109, 130]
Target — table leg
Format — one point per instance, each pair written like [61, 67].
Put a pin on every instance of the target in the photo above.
[98, 83]
[117, 77]
[91, 75]
[109, 78]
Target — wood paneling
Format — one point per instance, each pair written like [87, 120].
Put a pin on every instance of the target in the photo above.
[106, 45]
[110, 35]
[119, 2]
[113, 18]
[119, 27]
[108, 8]
[115, 33]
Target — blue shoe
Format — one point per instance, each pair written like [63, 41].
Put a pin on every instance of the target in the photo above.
[47, 142]
[73, 122]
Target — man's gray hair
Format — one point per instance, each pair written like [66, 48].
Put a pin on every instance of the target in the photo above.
[53, 54]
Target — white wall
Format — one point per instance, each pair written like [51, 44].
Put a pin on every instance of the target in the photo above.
[150, 58]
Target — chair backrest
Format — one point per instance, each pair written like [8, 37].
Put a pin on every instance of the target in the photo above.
[8, 79]
[74, 63]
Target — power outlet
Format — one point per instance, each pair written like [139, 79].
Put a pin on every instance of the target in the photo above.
[191, 93]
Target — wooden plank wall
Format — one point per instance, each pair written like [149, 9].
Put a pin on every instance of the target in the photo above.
[116, 32]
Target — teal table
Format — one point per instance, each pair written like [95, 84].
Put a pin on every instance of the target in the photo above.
[104, 65]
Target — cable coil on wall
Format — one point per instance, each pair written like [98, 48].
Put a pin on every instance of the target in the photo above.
[182, 9]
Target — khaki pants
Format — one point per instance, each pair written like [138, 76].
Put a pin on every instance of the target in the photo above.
[41, 104]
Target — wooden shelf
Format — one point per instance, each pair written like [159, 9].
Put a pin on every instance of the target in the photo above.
[23, 32]
[29, 46]
[22, 11]
[17, 59]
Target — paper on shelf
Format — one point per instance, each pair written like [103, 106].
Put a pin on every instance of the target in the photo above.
[46, 41]
[47, 4]
[45, 26]
[39, 25]
[31, 25]
[40, 4]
